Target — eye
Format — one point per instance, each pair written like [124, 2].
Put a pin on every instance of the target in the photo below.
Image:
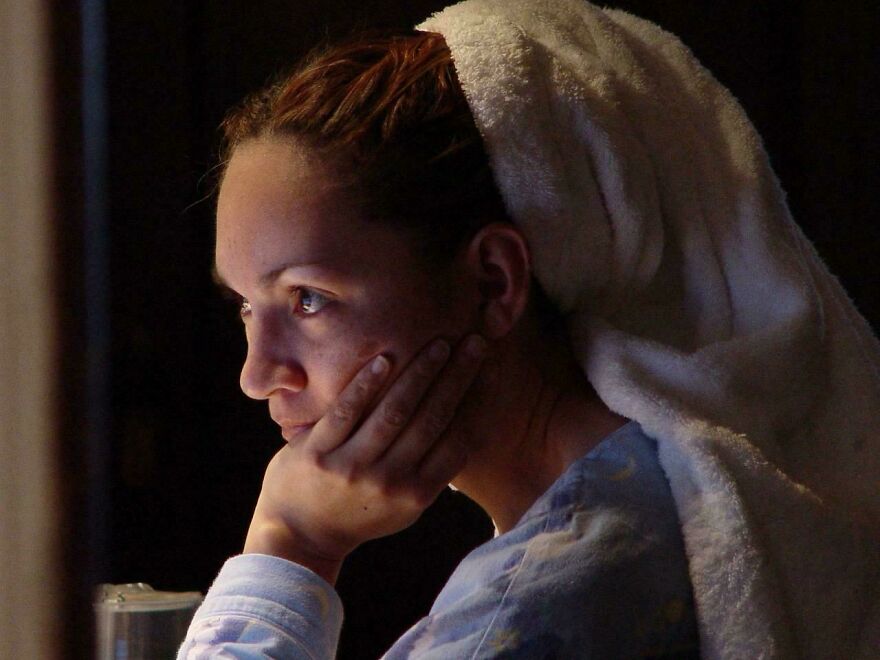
[307, 301]
[241, 304]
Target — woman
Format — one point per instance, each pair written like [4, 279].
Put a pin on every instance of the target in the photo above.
[636, 467]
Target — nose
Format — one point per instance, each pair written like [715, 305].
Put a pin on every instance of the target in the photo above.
[270, 364]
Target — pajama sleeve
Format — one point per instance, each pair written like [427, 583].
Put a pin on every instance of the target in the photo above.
[261, 606]
[595, 569]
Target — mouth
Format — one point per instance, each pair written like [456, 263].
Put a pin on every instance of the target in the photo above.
[292, 431]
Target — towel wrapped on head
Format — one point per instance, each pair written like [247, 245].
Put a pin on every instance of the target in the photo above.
[697, 307]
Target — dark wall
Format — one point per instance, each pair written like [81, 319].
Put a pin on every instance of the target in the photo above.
[187, 449]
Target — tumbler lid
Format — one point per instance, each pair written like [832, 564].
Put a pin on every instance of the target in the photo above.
[141, 597]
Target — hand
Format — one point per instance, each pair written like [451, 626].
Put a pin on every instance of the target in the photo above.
[351, 480]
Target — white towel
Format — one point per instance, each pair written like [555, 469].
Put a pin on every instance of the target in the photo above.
[697, 307]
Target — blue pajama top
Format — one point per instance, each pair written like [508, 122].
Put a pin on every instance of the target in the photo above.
[596, 568]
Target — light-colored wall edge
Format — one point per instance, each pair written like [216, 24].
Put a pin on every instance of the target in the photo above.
[29, 599]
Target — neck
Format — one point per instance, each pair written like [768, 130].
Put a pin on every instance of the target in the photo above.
[533, 414]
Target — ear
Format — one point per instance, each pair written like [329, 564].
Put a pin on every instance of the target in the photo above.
[499, 260]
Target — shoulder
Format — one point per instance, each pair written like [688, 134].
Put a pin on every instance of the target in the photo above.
[596, 568]
[606, 573]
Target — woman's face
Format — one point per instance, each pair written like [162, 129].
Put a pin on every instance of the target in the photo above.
[323, 291]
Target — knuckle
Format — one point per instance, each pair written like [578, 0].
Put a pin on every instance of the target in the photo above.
[437, 418]
[344, 411]
[316, 458]
[402, 494]
[362, 389]
[433, 424]
[385, 487]
[419, 498]
[349, 473]
[425, 366]
[375, 444]
[395, 414]
[457, 442]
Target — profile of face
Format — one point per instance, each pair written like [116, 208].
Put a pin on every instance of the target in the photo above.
[323, 291]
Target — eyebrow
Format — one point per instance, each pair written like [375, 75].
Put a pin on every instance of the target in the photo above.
[266, 279]
[225, 290]
[216, 277]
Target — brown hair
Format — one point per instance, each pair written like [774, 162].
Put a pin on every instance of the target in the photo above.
[391, 107]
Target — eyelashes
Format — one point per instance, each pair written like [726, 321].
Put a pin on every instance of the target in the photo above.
[239, 302]
[303, 302]
[308, 301]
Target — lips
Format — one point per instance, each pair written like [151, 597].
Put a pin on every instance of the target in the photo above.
[290, 431]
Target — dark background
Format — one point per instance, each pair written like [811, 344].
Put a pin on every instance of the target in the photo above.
[184, 453]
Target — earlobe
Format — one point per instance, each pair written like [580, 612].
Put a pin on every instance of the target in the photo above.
[499, 258]
[496, 323]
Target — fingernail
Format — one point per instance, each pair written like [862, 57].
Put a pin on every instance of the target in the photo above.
[380, 364]
[476, 346]
[439, 350]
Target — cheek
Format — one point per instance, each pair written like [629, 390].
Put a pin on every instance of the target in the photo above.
[368, 349]
[334, 360]
[355, 348]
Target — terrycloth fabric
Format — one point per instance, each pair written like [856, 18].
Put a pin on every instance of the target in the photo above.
[697, 307]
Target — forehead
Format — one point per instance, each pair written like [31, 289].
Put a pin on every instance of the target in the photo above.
[280, 204]
[274, 166]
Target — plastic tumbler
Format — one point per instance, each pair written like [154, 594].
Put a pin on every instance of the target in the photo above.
[135, 622]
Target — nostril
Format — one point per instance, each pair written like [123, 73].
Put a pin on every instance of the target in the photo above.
[270, 363]
[260, 378]
[295, 379]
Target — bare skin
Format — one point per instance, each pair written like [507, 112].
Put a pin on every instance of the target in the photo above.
[498, 410]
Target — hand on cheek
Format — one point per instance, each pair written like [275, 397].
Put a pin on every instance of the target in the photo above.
[361, 475]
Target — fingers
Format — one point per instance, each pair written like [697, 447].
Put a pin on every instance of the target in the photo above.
[397, 408]
[446, 458]
[437, 411]
[335, 427]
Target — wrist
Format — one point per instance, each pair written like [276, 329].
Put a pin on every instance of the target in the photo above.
[276, 539]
